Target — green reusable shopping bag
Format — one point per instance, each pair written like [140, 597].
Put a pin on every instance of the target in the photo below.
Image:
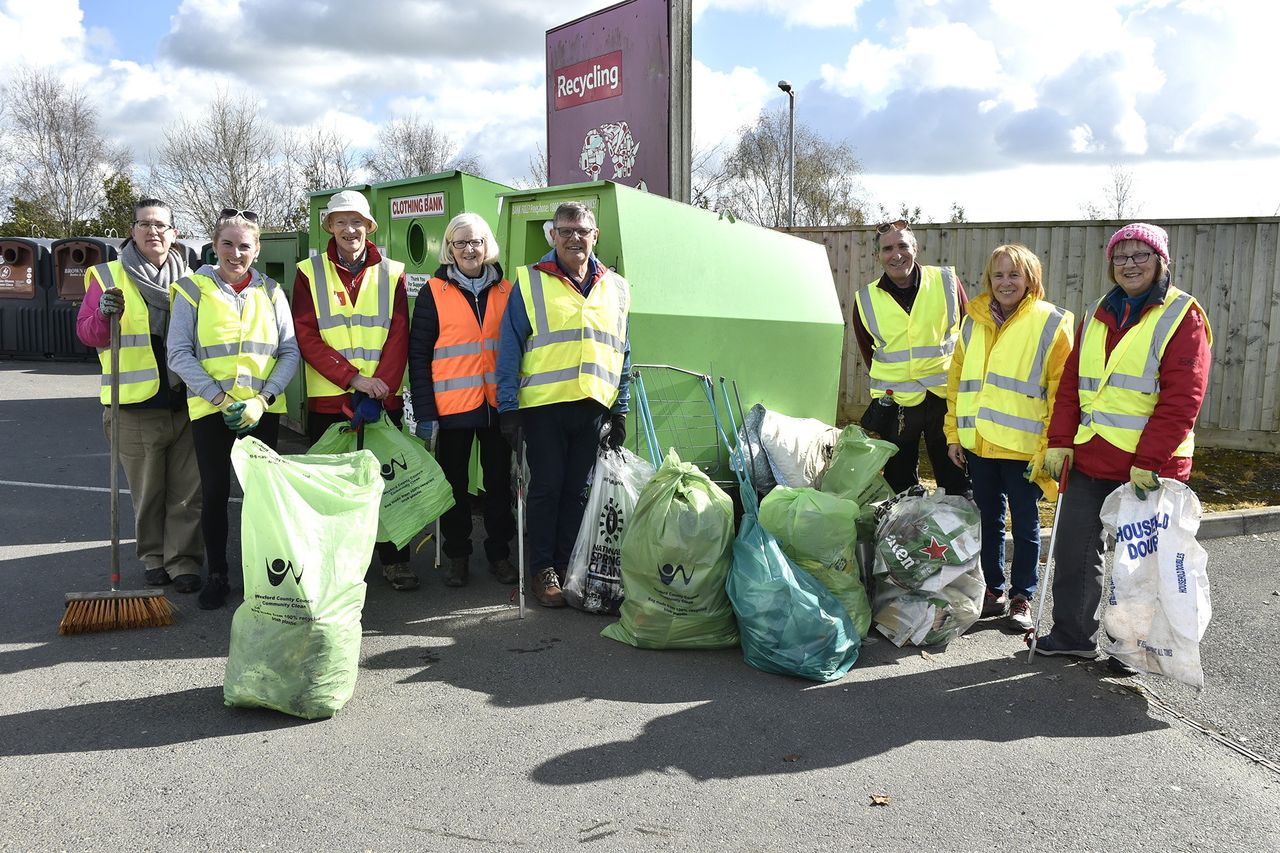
[416, 492]
[676, 553]
[819, 532]
[307, 528]
[856, 463]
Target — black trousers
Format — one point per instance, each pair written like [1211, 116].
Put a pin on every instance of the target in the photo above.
[561, 444]
[453, 452]
[903, 468]
[213, 442]
[1078, 558]
[317, 423]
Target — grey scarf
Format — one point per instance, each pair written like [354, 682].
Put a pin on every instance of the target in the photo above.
[153, 283]
[488, 275]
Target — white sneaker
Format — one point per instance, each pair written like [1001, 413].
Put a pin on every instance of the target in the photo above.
[1020, 613]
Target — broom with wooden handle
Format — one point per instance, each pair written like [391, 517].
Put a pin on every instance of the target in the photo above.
[106, 611]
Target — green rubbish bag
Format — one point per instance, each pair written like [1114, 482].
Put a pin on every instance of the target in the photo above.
[819, 533]
[307, 529]
[416, 492]
[856, 463]
[676, 553]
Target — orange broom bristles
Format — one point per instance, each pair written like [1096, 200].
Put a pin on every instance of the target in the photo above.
[109, 611]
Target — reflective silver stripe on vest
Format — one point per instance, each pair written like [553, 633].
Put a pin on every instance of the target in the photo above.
[600, 372]
[442, 385]
[949, 290]
[1029, 425]
[1134, 383]
[603, 337]
[1008, 383]
[548, 338]
[539, 299]
[969, 385]
[907, 387]
[948, 346]
[1164, 328]
[1089, 383]
[562, 375]
[966, 330]
[190, 288]
[933, 381]
[491, 378]
[489, 344]
[1047, 335]
[1134, 422]
[869, 315]
[326, 319]
[360, 352]
[144, 375]
[966, 422]
[222, 350]
[890, 356]
[135, 341]
[455, 350]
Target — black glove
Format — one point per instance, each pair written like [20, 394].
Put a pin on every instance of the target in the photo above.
[509, 423]
[615, 433]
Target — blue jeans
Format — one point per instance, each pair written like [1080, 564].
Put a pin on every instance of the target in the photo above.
[995, 483]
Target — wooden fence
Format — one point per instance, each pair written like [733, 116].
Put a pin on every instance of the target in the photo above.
[1230, 265]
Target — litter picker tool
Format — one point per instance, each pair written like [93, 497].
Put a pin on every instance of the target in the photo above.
[1048, 566]
[105, 611]
[521, 488]
[435, 434]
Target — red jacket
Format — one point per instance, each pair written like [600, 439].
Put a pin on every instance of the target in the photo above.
[1184, 376]
[327, 361]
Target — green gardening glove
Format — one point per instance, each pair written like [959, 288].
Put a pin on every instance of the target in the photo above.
[1144, 482]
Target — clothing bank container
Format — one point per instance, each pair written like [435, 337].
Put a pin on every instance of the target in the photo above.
[278, 261]
[25, 279]
[72, 257]
[708, 295]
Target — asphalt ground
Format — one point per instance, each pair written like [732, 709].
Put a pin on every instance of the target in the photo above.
[473, 730]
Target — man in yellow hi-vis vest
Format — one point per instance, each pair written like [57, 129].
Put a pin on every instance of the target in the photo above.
[563, 362]
[906, 324]
[156, 449]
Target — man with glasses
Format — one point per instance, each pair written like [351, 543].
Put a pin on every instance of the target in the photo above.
[906, 324]
[351, 319]
[156, 449]
[563, 364]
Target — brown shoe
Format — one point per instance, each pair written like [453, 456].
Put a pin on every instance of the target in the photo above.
[994, 604]
[504, 571]
[400, 576]
[546, 588]
[458, 572]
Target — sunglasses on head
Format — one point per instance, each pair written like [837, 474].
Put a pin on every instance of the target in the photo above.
[231, 212]
[895, 225]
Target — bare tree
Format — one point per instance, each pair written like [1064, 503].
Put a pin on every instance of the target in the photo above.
[413, 146]
[536, 176]
[827, 190]
[59, 158]
[708, 176]
[322, 159]
[1118, 198]
[230, 157]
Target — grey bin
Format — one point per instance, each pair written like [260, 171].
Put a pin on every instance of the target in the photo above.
[26, 278]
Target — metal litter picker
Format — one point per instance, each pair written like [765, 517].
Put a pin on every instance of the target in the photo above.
[1048, 566]
[104, 611]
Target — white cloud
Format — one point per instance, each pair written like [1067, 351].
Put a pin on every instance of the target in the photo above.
[48, 32]
[726, 101]
[794, 13]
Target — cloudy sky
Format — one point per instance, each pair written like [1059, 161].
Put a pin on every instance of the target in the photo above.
[1014, 109]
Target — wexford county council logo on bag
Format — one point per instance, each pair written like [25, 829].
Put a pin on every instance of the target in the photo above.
[667, 573]
[278, 569]
[389, 470]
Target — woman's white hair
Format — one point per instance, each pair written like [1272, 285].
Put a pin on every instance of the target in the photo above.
[481, 230]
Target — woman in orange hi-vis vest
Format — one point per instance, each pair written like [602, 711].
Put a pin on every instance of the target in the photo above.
[453, 349]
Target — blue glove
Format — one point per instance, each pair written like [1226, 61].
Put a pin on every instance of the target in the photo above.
[424, 430]
[364, 410]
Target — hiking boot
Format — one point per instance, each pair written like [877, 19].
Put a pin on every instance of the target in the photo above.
[1020, 613]
[994, 603]
[214, 594]
[546, 588]
[458, 571]
[189, 582]
[504, 571]
[158, 577]
[1051, 645]
[400, 576]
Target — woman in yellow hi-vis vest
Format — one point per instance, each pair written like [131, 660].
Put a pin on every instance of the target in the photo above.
[231, 341]
[1000, 389]
[1124, 413]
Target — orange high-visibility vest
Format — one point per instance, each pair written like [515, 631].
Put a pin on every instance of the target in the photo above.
[466, 352]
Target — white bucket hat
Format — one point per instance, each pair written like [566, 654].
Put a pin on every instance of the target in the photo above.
[348, 200]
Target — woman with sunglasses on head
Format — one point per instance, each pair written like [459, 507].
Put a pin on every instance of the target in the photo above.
[1000, 391]
[231, 341]
[1124, 413]
[453, 350]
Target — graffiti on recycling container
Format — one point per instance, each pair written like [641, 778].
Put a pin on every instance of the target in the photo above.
[612, 140]
[278, 570]
[667, 573]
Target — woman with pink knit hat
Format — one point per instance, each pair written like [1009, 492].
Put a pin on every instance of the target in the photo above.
[1124, 413]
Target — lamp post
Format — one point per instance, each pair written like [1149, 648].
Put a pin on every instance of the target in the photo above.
[785, 85]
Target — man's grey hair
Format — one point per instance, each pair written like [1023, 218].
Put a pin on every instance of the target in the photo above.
[907, 232]
[575, 211]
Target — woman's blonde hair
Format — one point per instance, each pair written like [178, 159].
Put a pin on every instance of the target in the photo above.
[481, 230]
[238, 221]
[1025, 261]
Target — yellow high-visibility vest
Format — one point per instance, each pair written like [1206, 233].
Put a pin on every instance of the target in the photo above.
[1003, 390]
[237, 349]
[139, 372]
[911, 353]
[358, 332]
[575, 350]
[1119, 393]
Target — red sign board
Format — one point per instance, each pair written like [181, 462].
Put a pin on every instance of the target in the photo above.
[595, 79]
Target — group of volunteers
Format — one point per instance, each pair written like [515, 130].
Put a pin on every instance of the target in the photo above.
[1008, 393]
[1010, 397]
[538, 366]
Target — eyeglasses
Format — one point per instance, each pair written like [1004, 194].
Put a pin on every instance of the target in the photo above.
[1138, 258]
[895, 225]
[582, 233]
[231, 212]
[462, 244]
[158, 227]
